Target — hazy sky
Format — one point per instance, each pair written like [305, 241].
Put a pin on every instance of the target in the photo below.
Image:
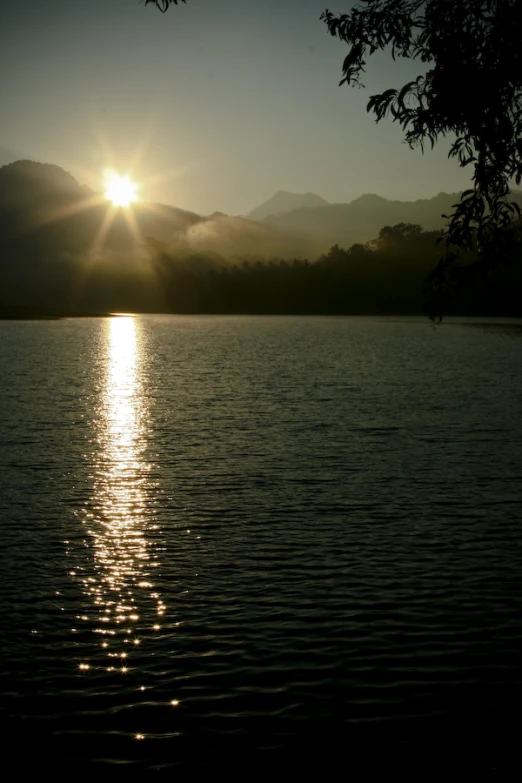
[217, 104]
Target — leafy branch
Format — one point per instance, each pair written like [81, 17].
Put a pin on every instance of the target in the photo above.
[472, 90]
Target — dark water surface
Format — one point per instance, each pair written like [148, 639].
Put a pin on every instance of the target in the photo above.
[230, 541]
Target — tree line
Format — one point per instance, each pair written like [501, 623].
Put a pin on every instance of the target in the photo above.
[389, 275]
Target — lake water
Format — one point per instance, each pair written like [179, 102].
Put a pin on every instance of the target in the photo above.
[235, 540]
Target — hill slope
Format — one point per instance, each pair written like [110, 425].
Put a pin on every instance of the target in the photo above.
[361, 220]
[283, 202]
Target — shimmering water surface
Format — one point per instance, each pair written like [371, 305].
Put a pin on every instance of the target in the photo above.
[229, 539]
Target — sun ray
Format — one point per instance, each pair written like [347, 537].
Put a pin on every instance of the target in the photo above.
[165, 175]
[134, 229]
[61, 213]
[144, 145]
[119, 189]
[85, 266]
[103, 230]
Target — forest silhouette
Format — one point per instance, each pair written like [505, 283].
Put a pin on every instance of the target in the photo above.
[386, 276]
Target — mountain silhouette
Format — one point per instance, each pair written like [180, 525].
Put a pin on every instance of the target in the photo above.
[283, 202]
[361, 220]
[25, 184]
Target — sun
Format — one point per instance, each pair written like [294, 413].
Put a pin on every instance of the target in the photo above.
[120, 191]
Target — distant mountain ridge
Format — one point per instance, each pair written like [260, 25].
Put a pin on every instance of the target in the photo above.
[283, 202]
[34, 194]
[361, 220]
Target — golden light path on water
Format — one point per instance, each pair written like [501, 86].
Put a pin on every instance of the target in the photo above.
[120, 522]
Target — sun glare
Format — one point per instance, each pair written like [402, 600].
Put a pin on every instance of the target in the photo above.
[120, 191]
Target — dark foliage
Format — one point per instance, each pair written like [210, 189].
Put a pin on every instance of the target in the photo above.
[162, 4]
[383, 277]
[472, 89]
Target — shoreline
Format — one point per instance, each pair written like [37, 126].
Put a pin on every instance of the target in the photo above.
[29, 314]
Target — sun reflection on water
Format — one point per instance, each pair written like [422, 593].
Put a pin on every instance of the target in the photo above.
[120, 521]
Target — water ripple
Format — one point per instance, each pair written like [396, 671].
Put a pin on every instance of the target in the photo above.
[221, 538]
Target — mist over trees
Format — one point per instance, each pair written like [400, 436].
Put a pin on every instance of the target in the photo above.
[383, 277]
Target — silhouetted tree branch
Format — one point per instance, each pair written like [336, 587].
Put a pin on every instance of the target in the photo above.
[473, 90]
[162, 4]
